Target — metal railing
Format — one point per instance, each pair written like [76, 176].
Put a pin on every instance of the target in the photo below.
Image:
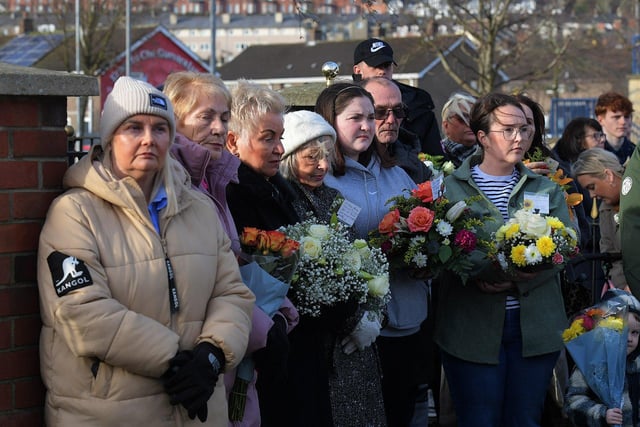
[78, 147]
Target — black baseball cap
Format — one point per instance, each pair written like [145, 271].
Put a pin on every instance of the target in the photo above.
[374, 52]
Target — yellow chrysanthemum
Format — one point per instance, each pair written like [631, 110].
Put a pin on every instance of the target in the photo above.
[611, 322]
[500, 233]
[554, 222]
[511, 230]
[573, 331]
[517, 255]
[546, 246]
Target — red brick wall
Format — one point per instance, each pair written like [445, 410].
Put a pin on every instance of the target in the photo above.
[32, 161]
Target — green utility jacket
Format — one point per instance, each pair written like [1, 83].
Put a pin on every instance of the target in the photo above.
[469, 321]
[630, 222]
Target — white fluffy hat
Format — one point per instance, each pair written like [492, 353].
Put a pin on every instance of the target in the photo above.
[303, 126]
[131, 97]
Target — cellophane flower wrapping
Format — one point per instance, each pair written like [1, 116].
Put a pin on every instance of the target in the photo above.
[531, 241]
[597, 342]
[274, 251]
[333, 269]
[429, 235]
[271, 259]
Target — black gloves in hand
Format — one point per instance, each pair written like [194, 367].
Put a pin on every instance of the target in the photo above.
[192, 377]
[271, 361]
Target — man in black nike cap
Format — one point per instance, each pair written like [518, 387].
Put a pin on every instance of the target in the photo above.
[374, 57]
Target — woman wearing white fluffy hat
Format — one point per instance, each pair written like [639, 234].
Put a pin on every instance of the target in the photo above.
[308, 146]
[331, 360]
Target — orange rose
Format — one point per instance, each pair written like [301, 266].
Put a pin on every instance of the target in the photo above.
[262, 242]
[420, 219]
[289, 248]
[423, 192]
[276, 240]
[249, 236]
[387, 225]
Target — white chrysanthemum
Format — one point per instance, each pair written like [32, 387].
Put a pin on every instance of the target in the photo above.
[444, 228]
[420, 260]
[532, 255]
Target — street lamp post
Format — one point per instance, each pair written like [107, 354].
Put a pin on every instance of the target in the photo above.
[212, 18]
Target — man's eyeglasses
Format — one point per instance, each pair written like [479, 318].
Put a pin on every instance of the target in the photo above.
[382, 113]
[510, 133]
[596, 135]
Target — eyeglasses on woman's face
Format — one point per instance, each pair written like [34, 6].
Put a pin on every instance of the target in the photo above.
[598, 136]
[510, 133]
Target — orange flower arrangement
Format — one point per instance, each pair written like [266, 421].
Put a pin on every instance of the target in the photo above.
[428, 234]
[276, 253]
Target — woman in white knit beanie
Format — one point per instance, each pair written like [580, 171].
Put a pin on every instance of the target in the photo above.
[330, 364]
[142, 302]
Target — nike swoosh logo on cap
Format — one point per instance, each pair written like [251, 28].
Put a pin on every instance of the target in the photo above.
[376, 47]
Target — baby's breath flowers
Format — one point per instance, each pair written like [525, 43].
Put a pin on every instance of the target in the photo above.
[332, 270]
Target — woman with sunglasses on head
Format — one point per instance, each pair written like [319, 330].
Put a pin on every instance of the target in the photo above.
[366, 176]
[499, 332]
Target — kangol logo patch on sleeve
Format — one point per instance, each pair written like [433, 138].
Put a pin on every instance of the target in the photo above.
[68, 273]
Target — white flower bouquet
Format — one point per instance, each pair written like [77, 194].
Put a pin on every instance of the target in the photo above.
[530, 242]
[332, 270]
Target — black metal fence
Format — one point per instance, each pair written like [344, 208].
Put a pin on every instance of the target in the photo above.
[78, 146]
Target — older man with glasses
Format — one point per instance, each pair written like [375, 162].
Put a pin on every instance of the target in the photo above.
[390, 112]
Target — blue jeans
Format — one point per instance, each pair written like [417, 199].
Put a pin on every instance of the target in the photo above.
[509, 394]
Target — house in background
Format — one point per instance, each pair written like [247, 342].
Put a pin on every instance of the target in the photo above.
[155, 52]
[283, 67]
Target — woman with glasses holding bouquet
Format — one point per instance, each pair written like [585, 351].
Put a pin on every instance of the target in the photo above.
[499, 331]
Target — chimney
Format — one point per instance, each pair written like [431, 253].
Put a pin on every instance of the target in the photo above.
[173, 19]
[278, 17]
[226, 18]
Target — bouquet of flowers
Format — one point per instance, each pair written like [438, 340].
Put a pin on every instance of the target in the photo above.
[530, 242]
[272, 259]
[557, 175]
[333, 269]
[427, 234]
[597, 342]
[273, 250]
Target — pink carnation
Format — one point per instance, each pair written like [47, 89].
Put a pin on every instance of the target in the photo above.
[466, 240]
[557, 258]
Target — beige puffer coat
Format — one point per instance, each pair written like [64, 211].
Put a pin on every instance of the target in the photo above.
[108, 331]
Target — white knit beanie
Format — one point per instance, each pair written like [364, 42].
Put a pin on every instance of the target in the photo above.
[303, 126]
[131, 97]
